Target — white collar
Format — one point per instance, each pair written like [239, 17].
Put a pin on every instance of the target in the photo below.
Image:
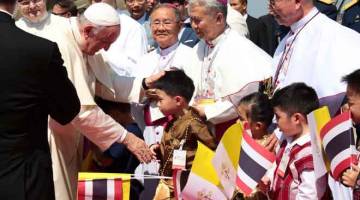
[75, 30]
[167, 51]
[245, 16]
[216, 41]
[7, 12]
[142, 19]
[297, 25]
[299, 141]
[38, 23]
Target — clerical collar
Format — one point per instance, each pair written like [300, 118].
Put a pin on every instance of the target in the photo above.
[142, 19]
[1, 10]
[167, 51]
[245, 16]
[216, 41]
[38, 22]
[297, 25]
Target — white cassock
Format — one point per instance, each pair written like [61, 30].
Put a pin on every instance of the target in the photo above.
[321, 53]
[128, 48]
[225, 69]
[151, 63]
[237, 21]
[66, 141]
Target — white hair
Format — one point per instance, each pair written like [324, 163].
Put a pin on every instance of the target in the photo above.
[211, 5]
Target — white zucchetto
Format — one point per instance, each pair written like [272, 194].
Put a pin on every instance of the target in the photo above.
[102, 14]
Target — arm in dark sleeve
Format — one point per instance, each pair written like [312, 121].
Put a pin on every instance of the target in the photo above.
[63, 101]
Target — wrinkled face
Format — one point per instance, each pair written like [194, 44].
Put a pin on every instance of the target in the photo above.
[167, 104]
[238, 5]
[164, 27]
[97, 40]
[287, 124]
[150, 4]
[136, 8]
[58, 10]
[354, 104]
[32, 10]
[286, 12]
[206, 24]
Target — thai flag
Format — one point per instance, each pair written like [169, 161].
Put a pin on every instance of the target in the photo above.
[254, 162]
[109, 189]
[339, 143]
[317, 120]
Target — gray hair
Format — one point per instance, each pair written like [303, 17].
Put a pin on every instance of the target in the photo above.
[169, 6]
[211, 5]
[84, 21]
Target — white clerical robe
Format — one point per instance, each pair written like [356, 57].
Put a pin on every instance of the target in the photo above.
[322, 52]
[65, 141]
[235, 62]
[128, 48]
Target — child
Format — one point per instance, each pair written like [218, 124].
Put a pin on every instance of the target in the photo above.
[294, 176]
[255, 110]
[351, 177]
[181, 134]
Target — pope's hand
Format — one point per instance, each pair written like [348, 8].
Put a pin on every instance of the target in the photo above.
[149, 81]
[137, 147]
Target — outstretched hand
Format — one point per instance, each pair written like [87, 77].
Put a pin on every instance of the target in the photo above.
[138, 147]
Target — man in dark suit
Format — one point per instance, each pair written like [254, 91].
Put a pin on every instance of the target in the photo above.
[187, 35]
[33, 85]
[351, 17]
[257, 29]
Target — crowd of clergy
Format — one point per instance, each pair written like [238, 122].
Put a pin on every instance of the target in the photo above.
[113, 56]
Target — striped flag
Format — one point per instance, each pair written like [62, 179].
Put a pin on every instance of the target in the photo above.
[339, 143]
[226, 158]
[317, 120]
[203, 182]
[109, 186]
[254, 162]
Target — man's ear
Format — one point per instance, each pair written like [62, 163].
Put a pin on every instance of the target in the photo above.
[259, 125]
[220, 18]
[87, 31]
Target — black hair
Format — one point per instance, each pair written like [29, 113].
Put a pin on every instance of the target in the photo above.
[296, 98]
[9, 2]
[69, 5]
[353, 80]
[260, 109]
[176, 83]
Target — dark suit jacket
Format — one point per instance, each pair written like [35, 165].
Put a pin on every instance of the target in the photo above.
[257, 31]
[329, 10]
[189, 37]
[33, 84]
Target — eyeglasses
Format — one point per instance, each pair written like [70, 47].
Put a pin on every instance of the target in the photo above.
[165, 23]
[27, 2]
[135, 1]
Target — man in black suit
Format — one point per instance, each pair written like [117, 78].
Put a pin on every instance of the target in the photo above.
[33, 85]
[257, 29]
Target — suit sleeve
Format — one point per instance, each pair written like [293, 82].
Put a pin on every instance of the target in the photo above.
[63, 101]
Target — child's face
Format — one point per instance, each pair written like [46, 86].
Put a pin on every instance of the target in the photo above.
[287, 124]
[354, 104]
[167, 104]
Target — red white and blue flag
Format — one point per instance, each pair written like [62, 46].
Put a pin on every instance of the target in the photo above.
[99, 189]
[254, 162]
[339, 143]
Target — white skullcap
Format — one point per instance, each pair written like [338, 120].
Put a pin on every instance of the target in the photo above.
[102, 14]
